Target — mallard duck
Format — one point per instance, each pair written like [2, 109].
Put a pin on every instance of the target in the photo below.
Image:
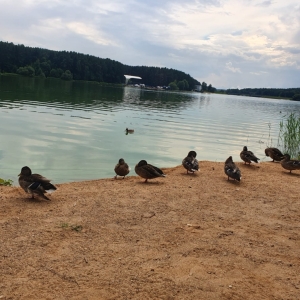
[190, 162]
[274, 153]
[290, 164]
[121, 169]
[248, 156]
[34, 183]
[129, 131]
[148, 171]
[231, 170]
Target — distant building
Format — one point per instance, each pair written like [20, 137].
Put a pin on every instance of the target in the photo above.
[127, 77]
[198, 88]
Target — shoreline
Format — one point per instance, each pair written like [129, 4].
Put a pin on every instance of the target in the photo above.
[133, 174]
[195, 236]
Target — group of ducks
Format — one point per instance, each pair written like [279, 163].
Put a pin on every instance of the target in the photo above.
[232, 171]
[36, 184]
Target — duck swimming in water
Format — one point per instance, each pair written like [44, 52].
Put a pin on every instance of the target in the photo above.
[129, 131]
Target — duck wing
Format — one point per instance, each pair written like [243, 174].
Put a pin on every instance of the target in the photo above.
[154, 171]
[250, 156]
[276, 154]
[294, 163]
[232, 171]
[43, 181]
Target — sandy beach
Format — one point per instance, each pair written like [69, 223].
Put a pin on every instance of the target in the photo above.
[195, 236]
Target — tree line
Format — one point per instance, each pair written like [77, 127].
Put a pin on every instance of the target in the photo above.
[291, 93]
[67, 65]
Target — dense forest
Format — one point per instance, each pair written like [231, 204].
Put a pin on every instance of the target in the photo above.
[66, 65]
[292, 93]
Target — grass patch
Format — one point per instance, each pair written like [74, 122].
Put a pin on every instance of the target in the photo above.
[5, 182]
[72, 227]
[289, 135]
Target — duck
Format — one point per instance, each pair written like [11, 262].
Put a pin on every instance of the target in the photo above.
[190, 163]
[147, 171]
[129, 131]
[121, 168]
[248, 156]
[231, 170]
[274, 153]
[35, 184]
[290, 164]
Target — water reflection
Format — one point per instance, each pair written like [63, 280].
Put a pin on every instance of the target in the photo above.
[76, 130]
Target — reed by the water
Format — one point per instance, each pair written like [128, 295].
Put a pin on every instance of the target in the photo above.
[289, 135]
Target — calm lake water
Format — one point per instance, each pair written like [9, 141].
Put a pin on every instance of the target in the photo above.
[71, 131]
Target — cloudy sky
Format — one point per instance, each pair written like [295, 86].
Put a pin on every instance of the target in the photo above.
[226, 43]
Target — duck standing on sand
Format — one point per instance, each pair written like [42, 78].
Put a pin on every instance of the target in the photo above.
[190, 162]
[290, 164]
[148, 171]
[231, 170]
[34, 183]
[274, 153]
[248, 156]
[121, 169]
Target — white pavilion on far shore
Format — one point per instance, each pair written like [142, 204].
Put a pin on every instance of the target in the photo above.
[127, 77]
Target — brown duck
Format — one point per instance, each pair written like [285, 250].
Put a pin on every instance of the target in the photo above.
[274, 153]
[147, 171]
[248, 156]
[34, 184]
[121, 169]
[290, 164]
[231, 170]
[130, 131]
[190, 162]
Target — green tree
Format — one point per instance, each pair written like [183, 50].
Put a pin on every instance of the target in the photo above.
[204, 86]
[296, 97]
[173, 86]
[83, 67]
[186, 85]
[67, 75]
[26, 71]
[37, 69]
[56, 73]
[46, 67]
[181, 85]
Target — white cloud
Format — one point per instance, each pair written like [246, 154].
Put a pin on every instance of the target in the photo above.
[230, 67]
[89, 32]
[228, 42]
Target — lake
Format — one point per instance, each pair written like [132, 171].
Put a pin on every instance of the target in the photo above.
[70, 131]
